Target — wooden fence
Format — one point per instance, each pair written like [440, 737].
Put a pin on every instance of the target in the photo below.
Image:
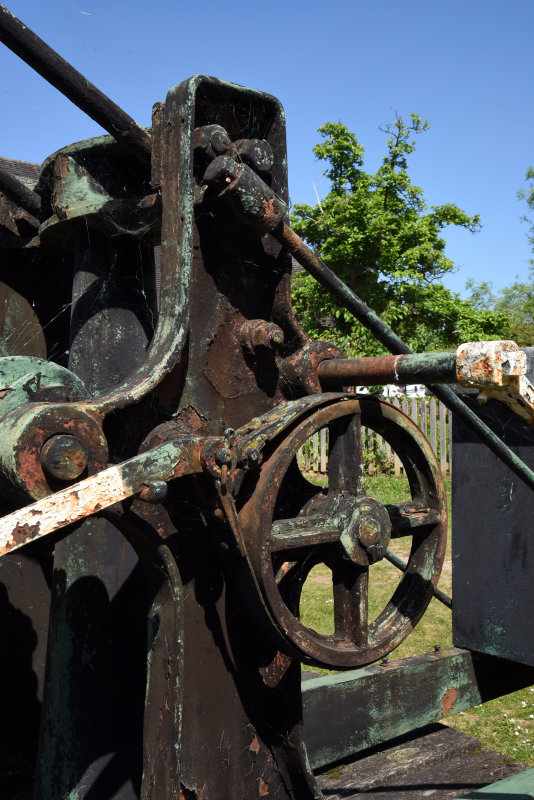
[430, 415]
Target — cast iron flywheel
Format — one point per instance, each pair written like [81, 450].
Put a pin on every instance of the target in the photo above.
[291, 526]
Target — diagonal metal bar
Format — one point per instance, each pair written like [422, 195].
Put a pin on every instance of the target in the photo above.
[403, 566]
[16, 190]
[167, 461]
[53, 68]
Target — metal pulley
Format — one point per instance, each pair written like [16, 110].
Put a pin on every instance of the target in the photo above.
[289, 526]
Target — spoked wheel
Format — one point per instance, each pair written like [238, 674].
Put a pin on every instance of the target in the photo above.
[348, 531]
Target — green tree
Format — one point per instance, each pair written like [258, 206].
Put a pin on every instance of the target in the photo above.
[515, 302]
[528, 195]
[377, 233]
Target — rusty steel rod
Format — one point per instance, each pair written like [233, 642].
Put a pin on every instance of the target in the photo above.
[403, 566]
[53, 68]
[424, 368]
[16, 190]
[324, 275]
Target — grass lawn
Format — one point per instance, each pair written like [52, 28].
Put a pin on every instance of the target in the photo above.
[506, 724]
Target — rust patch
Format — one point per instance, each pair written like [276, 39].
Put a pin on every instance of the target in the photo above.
[254, 746]
[268, 204]
[193, 421]
[263, 788]
[449, 699]
[22, 534]
[273, 673]
[29, 467]
[61, 166]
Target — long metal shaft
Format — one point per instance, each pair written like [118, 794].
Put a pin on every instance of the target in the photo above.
[16, 190]
[22, 41]
[312, 264]
[424, 368]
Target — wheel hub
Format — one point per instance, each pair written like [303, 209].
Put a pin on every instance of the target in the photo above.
[366, 529]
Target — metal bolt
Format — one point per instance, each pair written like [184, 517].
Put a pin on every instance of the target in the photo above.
[267, 334]
[375, 553]
[253, 455]
[64, 457]
[220, 141]
[154, 492]
[259, 335]
[384, 661]
[368, 530]
[437, 648]
[223, 456]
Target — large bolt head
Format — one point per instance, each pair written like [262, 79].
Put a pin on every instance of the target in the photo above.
[366, 529]
[64, 457]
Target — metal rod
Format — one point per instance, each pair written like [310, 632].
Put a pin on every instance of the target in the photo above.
[403, 566]
[16, 190]
[22, 41]
[418, 368]
[312, 264]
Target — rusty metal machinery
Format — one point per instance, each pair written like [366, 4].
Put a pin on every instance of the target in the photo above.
[157, 530]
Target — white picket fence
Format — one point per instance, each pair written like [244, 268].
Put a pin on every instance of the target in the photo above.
[430, 415]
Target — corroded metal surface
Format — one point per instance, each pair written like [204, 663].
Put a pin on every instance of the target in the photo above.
[350, 712]
[417, 368]
[498, 370]
[152, 414]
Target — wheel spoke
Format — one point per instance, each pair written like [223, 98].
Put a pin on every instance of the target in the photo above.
[288, 534]
[345, 463]
[407, 517]
[351, 590]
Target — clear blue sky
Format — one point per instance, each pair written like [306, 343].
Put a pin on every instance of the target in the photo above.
[465, 65]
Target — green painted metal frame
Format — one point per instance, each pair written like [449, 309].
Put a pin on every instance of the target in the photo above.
[347, 713]
[517, 787]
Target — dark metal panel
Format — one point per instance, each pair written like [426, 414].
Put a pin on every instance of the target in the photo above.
[492, 541]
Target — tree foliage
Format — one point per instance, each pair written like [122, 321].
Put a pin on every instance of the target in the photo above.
[528, 195]
[377, 233]
[515, 302]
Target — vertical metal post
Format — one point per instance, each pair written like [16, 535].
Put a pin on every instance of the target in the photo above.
[92, 728]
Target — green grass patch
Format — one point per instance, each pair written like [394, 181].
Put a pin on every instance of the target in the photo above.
[505, 724]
